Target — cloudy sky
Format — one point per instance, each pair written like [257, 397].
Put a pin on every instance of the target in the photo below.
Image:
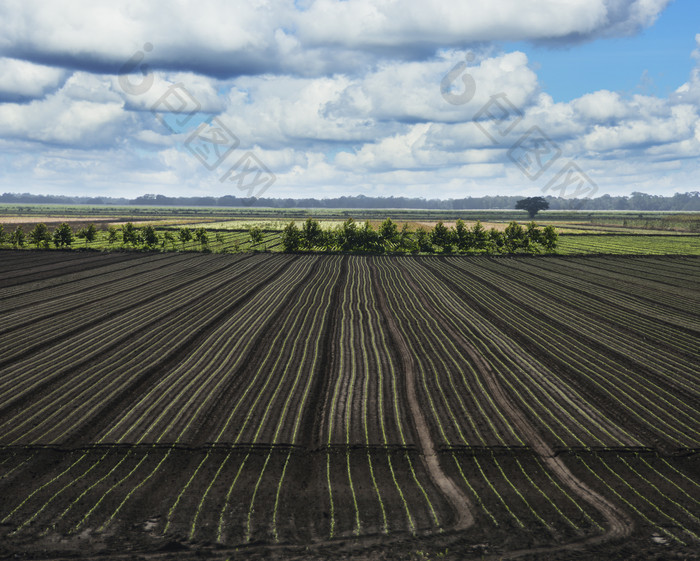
[320, 98]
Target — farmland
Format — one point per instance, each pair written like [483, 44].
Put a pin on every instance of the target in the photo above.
[230, 230]
[311, 405]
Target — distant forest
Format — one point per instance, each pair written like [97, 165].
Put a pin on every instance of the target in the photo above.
[636, 201]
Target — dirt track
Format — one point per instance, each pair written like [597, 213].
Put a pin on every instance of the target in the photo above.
[457, 498]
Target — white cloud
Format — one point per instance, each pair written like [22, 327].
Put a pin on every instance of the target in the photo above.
[20, 79]
[388, 23]
[230, 38]
[338, 97]
[83, 112]
[601, 106]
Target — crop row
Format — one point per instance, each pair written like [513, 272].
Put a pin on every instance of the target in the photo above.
[120, 353]
[628, 244]
[555, 308]
[576, 364]
[236, 399]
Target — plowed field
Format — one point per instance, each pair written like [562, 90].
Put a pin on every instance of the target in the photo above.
[323, 406]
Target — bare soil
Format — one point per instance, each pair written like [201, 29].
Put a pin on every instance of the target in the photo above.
[71, 494]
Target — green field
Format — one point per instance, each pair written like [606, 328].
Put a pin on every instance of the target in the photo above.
[581, 232]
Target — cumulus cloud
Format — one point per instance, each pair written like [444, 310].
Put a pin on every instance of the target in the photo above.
[228, 39]
[22, 81]
[83, 112]
[332, 96]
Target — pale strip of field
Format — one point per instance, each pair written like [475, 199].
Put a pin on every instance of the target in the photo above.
[40, 219]
[263, 224]
[166, 222]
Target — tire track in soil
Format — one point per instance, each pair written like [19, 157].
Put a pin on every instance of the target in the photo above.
[550, 360]
[620, 525]
[522, 358]
[458, 499]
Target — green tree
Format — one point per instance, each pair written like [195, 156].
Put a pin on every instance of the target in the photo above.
[291, 237]
[130, 234]
[329, 240]
[88, 233]
[311, 233]
[423, 241]
[532, 205]
[369, 239]
[112, 234]
[202, 237]
[17, 237]
[150, 237]
[442, 237]
[168, 238]
[534, 237]
[389, 233]
[40, 235]
[184, 235]
[255, 234]
[348, 235]
[406, 241]
[495, 242]
[3, 234]
[462, 236]
[63, 235]
[479, 237]
[549, 238]
[515, 238]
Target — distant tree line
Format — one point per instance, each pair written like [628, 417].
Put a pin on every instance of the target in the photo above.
[636, 201]
[351, 236]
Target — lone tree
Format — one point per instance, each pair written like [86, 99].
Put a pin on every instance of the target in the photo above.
[532, 205]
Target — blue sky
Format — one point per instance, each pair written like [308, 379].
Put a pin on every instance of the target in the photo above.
[318, 98]
[655, 61]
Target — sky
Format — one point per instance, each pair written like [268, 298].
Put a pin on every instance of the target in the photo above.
[324, 98]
